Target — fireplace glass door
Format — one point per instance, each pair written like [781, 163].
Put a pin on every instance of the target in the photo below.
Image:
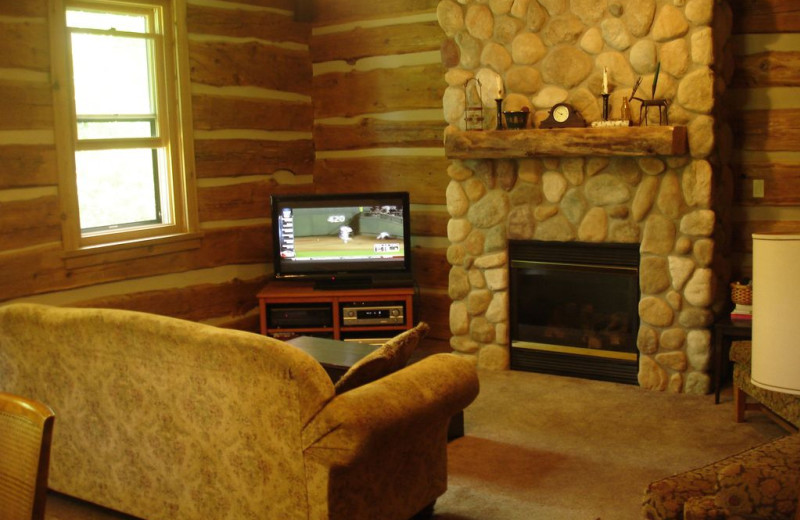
[575, 312]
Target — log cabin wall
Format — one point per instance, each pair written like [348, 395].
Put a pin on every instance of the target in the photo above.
[251, 95]
[765, 100]
[378, 125]
[352, 35]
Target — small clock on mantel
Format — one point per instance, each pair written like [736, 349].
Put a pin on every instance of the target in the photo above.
[563, 115]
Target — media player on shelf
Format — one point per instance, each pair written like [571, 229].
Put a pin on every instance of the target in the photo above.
[357, 240]
[372, 313]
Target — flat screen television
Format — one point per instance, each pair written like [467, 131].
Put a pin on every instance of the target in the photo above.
[342, 240]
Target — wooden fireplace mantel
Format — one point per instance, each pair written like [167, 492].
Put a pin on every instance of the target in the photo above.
[635, 141]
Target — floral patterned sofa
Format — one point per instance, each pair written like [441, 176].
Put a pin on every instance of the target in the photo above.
[166, 419]
[759, 483]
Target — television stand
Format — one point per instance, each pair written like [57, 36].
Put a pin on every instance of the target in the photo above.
[334, 284]
[289, 308]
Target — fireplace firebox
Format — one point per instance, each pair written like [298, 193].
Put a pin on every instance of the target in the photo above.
[574, 309]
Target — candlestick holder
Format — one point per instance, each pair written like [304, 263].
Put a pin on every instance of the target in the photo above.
[499, 102]
[605, 107]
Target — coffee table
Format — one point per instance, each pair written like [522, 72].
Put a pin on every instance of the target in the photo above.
[336, 357]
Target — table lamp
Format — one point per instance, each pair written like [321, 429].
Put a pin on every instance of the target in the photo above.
[776, 312]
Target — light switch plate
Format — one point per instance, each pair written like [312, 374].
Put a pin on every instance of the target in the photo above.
[758, 188]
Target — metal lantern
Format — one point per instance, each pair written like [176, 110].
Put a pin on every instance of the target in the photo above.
[473, 105]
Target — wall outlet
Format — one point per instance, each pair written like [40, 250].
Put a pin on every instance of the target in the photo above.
[758, 188]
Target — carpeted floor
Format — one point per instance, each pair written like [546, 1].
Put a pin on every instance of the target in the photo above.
[547, 447]
[557, 448]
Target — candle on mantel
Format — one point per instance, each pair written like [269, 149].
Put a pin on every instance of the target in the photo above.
[499, 88]
[605, 80]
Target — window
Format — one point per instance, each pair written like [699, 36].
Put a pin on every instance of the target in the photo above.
[122, 128]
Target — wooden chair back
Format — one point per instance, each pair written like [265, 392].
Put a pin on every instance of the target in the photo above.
[26, 431]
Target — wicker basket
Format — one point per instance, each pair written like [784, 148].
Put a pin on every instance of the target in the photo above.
[741, 294]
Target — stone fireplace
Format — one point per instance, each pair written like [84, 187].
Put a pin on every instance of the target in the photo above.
[663, 189]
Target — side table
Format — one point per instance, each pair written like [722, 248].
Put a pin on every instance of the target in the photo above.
[725, 331]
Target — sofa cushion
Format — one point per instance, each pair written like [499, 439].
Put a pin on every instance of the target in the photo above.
[390, 357]
[764, 489]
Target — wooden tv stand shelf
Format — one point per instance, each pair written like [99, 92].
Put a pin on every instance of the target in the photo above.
[297, 308]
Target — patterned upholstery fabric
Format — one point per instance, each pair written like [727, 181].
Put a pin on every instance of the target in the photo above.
[786, 406]
[166, 419]
[766, 488]
[390, 357]
[759, 483]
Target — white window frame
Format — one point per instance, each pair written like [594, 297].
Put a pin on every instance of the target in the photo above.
[174, 106]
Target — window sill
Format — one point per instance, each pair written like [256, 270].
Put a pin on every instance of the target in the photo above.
[130, 250]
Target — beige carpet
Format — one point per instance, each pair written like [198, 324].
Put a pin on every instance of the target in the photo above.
[547, 447]
[540, 447]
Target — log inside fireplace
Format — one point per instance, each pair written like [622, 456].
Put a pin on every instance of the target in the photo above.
[574, 309]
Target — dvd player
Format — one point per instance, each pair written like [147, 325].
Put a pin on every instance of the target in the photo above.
[299, 316]
[372, 313]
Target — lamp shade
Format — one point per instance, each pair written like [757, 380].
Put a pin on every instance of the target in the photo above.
[776, 312]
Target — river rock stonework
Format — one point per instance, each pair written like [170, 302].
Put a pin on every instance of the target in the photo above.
[536, 53]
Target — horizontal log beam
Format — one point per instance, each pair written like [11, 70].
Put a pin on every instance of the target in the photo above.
[28, 8]
[196, 303]
[27, 166]
[768, 69]
[28, 223]
[358, 43]
[429, 223]
[38, 270]
[369, 133]
[781, 184]
[378, 91]
[560, 142]
[766, 130]
[218, 113]
[286, 5]
[766, 16]
[25, 106]
[250, 64]
[327, 12]
[236, 157]
[248, 200]
[425, 178]
[434, 309]
[24, 46]
[431, 268]
[235, 202]
[268, 26]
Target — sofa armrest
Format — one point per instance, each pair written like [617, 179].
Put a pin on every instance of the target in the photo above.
[420, 396]
[380, 450]
[758, 490]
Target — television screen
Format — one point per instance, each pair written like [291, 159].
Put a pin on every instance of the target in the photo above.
[344, 236]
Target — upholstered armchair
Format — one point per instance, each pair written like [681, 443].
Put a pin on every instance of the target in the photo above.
[783, 408]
